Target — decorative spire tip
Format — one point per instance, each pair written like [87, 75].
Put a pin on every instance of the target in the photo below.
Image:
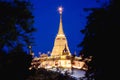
[60, 9]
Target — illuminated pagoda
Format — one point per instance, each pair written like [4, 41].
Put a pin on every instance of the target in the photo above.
[60, 56]
[60, 41]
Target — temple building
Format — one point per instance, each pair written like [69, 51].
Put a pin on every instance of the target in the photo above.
[60, 43]
[60, 57]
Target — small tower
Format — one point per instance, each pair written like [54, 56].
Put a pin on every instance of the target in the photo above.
[60, 40]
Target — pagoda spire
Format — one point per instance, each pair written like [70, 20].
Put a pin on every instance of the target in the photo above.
[60, 31]
[60, 42]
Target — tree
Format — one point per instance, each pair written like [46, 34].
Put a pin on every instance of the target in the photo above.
[16, 28]
[43, 74]
[101, 39]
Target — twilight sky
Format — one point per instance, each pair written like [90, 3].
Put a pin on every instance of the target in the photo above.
[47, 22]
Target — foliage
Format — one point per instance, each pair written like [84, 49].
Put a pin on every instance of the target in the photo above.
[15, 66]
[16, 29]
[16, 21]
[43, 74]
[100, 41]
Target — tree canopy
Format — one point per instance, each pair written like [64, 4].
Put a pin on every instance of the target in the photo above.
[43, 74]
[101, 40]
[16, 24]
[16, 28]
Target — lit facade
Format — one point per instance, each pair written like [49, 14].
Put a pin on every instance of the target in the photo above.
[60, 56]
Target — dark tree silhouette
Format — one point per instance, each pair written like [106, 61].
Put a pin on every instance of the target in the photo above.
[16, 27]
[16, 21]
[43, 74]
[101, 41]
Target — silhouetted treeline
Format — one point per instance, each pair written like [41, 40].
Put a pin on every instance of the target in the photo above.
[102, 41]
[43, 74]
[16, 29]
[15, 66]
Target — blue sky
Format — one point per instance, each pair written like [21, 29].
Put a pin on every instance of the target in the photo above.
[47, 22]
